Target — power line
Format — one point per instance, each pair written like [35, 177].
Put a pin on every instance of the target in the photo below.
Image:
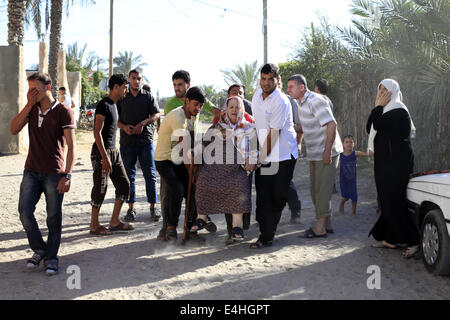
[185, 14]
[245, 14]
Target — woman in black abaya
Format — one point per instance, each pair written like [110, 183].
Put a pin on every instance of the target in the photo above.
[390, 125]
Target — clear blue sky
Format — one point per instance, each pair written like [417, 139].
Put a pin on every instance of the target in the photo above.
[196, 35]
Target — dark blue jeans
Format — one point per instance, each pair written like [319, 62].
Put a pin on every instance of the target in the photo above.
[146, 156]
[32, 186]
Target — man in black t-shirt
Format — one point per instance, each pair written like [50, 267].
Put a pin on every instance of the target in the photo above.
[138, 112]
[106, 159]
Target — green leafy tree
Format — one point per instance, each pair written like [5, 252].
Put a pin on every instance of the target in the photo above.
[409, 39]
[319, 55]
[53, 20]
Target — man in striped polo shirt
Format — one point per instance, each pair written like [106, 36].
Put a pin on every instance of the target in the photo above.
[323, 146]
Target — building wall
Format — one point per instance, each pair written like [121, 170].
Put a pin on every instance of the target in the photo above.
[13, 88]
[74, 81]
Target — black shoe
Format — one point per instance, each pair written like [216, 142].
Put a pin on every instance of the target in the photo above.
[130, 216]
[153, 215]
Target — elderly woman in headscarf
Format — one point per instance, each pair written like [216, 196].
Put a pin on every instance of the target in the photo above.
[230, 153]
[389, 127]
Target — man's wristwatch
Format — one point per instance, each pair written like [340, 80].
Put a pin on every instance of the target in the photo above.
[68, 176]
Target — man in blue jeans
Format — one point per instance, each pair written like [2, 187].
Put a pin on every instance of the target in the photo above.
[138, 113]
[50, 128]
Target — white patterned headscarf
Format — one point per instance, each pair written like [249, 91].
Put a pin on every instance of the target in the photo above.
[242, 130]
[395, 103]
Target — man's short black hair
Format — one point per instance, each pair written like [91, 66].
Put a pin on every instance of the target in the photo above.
[42, 77]
[137, 71]
[118, 79]
[62, 89]
[299, 78]
[269, 68]
[236, 85]
[348, 136]
[196, 93]
[182, 74]
[322, 85]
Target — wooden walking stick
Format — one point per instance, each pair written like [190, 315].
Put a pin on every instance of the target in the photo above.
[188, 200]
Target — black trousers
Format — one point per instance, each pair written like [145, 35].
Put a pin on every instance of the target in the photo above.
[174, 187]
[293, 201]
[271, 196]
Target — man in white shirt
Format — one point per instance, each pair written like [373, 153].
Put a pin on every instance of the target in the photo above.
[64, 97]
[278, 153]
[323, 146]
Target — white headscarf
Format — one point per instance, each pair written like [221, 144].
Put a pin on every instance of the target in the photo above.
[242, 130]
[395, 103]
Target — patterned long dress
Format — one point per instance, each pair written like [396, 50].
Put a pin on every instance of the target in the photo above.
[222, 187]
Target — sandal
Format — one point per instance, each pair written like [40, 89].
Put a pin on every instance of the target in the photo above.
[51, 269]
[171, 234]
[309, 234]
[34, 262]
[198, 225]
[162, 236]
[210, 226]
[410, 252]
[121, 227]
[100, 231]
[259, 244]
[237, 234]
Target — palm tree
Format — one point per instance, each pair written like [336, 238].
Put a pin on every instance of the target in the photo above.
[54, 20]
[246, 76]
[16, 22]
[409, 38]
[125, 62]
[55, 41]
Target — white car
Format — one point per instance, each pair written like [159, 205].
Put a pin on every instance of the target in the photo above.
[429, 201]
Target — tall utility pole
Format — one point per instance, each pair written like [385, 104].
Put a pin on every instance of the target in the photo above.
[111, 38]
[265, 29]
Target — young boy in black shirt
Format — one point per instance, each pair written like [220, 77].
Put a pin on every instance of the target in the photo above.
[106, 159]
